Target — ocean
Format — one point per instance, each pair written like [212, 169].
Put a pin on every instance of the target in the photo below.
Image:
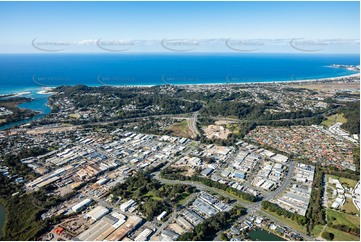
[26, 72]
[33, 72]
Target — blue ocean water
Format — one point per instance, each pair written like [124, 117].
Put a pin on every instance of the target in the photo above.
[31, 72]
[21, 72]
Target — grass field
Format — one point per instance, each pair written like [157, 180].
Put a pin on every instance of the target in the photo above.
[152, 195]
[341, 236]
[181, 129]
[335, 217]
[331, 120]
[350, 207]
[74, 115]
[344, 181]
[289, 222]
[317, 230]
[234, 128]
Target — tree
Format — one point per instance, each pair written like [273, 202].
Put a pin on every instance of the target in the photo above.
[327, 235]
[223, 237]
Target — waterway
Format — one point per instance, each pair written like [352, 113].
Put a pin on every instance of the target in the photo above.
[263, 235]
[2, 218]
[39, 103]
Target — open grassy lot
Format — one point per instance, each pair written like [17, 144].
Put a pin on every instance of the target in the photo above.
[344, 181]
[152, 195]
[341, 236]
[74, 115]
[331, 120]
[350, 207]
[335, 217]
[234, 128]
[181, 129]
[316, 231]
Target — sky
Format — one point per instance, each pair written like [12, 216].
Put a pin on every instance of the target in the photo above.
[37, 27]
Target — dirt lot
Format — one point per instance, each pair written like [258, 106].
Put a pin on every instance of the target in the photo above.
[216, 131]
[220, 122]
[45, 130]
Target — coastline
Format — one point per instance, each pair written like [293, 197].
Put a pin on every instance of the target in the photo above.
[49, 90]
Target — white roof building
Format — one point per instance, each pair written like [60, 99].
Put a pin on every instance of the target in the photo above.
[81, 205]
[280, 158]
[125, 206]
[97, 213]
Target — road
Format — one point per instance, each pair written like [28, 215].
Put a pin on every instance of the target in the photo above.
[174, 215]
[193, 124]
[251, 207]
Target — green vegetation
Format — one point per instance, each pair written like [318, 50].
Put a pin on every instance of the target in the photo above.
[291, 223]
[315, 213]
[23, 220]
[327, 235]
[274, 208]
[156, 197]
[317, 230]
[16, 167]
[17, 113]
[224, 187]
[180, 129]
[339, 218]
[336, 171]
[207, 230]
[174, 174]
[331, 120]
[109, 97]
[341, 236]
[351, 111]
[349, 207]
[344, 181]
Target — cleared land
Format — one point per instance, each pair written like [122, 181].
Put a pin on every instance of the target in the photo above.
[181, 129]
[216, 131]
[336, 118]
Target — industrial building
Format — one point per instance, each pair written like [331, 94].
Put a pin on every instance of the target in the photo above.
[97, 213]
[162, 215]
[125, 206]
[144, 235]
[130, 225]
[98, 228]
[80, 206]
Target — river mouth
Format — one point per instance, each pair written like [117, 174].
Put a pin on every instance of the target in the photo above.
[39, 104]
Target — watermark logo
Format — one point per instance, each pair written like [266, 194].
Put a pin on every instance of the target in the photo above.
[115, 80]
[244, 45]
[115, 45]
[176, 80]
[49, 46]
[232, 79]
[306, 45]
[46, 81]
[180, 45]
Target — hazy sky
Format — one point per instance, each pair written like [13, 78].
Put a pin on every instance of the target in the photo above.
[198, 26]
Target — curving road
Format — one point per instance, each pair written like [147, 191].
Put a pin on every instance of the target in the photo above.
[251, 207]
